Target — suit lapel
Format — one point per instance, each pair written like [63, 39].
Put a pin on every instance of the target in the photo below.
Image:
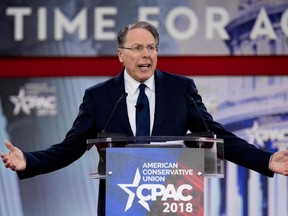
[160, 102]
[121, 110]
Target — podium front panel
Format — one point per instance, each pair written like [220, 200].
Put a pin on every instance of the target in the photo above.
[153, 181]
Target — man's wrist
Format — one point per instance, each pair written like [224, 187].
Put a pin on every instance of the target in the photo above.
[270, 162]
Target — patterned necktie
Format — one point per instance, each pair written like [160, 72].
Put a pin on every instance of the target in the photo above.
[142, 113]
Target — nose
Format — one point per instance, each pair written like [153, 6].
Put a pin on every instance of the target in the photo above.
[146, 53]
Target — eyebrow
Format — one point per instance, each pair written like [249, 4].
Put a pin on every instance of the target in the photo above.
[138, 44]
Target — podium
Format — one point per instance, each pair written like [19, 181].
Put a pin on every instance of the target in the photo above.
[156, 175]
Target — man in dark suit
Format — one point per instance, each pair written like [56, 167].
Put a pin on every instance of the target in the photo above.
[170, 110]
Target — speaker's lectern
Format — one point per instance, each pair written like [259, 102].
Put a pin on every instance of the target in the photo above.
[161, 175]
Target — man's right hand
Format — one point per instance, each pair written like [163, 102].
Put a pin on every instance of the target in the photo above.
[15, 159]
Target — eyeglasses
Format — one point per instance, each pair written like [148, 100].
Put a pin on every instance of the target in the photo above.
[140, 48]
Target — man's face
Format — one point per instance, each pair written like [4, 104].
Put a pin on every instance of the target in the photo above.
[140, 65]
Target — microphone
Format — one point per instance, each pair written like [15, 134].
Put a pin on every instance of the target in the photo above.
[207, 133]
[103, 133]
[139, 107]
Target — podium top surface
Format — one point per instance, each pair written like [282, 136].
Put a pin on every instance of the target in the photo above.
[154, 139]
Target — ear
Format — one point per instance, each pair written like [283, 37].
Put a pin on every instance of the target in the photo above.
[120, 55]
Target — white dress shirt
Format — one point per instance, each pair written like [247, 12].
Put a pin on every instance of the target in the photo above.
[131, 88]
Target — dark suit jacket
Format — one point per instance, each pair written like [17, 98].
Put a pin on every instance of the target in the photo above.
[174, 116]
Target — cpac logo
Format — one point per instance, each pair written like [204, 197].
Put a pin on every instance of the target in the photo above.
[153, 191]
[261, 135]
[26, 103]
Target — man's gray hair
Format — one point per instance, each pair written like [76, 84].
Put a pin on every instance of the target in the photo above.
[142, 25]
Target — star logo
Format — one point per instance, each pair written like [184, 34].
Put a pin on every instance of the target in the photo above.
[21, 103]
[131, 194]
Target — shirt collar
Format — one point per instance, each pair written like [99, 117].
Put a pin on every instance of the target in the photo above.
[131, 85]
